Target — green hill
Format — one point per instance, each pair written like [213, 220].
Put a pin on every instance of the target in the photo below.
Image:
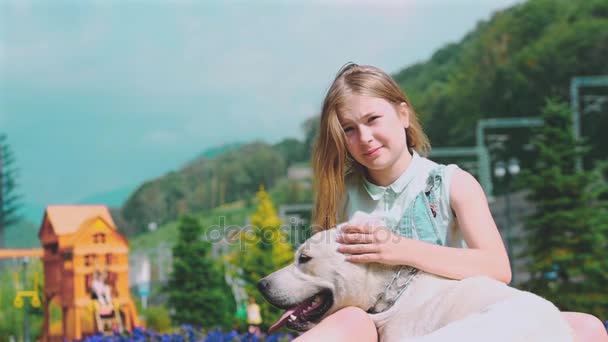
[508, 65]
[204, 184]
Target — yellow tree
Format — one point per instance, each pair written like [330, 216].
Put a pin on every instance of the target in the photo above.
[263, 249]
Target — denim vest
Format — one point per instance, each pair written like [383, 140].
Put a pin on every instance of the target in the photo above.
[416, 205]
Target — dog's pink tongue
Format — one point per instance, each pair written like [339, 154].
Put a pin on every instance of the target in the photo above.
[281, 320]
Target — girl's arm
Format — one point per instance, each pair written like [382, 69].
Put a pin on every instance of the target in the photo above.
[486, 254]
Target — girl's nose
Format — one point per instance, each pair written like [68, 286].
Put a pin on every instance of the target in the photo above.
[365, 134]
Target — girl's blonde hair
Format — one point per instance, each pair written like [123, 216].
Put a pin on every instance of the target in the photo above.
[330, 158]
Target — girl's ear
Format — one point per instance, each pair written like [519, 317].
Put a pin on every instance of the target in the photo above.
[404, 114]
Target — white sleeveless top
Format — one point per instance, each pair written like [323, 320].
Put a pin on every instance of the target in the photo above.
[416, 205]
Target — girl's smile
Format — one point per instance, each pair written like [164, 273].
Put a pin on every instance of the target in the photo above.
[373, 152]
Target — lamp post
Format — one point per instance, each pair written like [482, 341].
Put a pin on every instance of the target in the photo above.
[143, 281]
[508, 171]
[485, 176]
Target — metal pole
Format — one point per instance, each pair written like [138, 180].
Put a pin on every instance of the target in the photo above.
[576, 124]
[509, 228]
[26, 322]
[1, 195]
[576, 128]
[576, 83]
[484, 161]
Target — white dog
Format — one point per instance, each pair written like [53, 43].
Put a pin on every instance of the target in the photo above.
[406, 304]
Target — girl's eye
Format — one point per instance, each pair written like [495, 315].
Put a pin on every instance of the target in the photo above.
[373, 118]
[303, 259]
[347, 129]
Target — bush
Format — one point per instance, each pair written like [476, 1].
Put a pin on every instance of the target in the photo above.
[158, 318]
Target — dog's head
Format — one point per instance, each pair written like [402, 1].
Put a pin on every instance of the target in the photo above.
[320, 282]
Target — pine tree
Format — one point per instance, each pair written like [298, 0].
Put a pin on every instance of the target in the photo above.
[264, 249]
[568, 232]
[197, 289]
[10, 200]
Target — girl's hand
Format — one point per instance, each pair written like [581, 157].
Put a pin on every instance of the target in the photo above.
[369, 243]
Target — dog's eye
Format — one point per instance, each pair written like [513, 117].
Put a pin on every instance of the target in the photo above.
[303, 259]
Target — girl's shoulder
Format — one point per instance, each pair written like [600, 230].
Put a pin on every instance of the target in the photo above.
[425, 165]
[431, 168]
[441, 176]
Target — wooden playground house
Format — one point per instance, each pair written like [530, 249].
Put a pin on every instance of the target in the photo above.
[80, 242]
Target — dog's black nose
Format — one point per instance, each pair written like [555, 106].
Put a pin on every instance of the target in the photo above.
[263, 285]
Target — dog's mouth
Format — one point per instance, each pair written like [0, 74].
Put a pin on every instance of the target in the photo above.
[310, 310]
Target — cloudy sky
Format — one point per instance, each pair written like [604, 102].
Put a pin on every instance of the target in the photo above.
[100, 95]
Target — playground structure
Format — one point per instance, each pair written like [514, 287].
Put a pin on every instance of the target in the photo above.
[86, 273]
[22, 292]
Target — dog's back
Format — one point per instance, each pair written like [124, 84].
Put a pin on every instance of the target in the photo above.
[473, 309]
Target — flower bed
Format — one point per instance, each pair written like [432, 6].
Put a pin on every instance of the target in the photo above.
[188, 333]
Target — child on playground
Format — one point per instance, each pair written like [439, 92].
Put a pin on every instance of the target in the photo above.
[102, 291]
[254, 318]
[369, 157]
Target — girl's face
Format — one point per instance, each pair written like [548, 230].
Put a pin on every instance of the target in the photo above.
[375, 136]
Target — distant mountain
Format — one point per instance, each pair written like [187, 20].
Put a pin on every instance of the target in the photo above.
[25, 233]
[216, 151]
[22, 235]
[113, 199]
[32, 212]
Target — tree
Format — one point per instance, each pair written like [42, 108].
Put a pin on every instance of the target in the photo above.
[311, 130]
[10, 200]
[567, 234]
[292, 150]
[263, 249]
[197, 289]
